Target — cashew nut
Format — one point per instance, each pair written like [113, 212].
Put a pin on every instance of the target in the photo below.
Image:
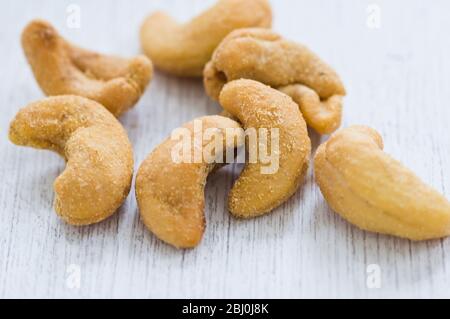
[264, 56]
[257, 106]
[184, 49]
[375, 192]
[99, 170]
[170, 194]
[61, 68]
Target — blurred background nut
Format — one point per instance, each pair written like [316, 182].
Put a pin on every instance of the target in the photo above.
[184, 49]
[264, 56]
[99, 170]
[170, 194]
[61, 68]
[257, 106]
[375, 192]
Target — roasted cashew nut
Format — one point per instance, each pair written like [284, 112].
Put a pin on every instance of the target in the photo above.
[373, 191]
[99, 170]
[258, 106]
[170, 194]
[184, 49]
[323, 116]
[264, 56]
[61, 68]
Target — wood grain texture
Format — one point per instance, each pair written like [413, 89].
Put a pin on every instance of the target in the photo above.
[398, 81]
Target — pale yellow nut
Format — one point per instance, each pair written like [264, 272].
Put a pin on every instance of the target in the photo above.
[374, 191]
[170, 194]
[323, 116]
[61, 68]
[99, 170]
[258, 106]
[264, 56]
[184, 49]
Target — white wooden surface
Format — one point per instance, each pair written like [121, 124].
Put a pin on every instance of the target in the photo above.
[398, 80]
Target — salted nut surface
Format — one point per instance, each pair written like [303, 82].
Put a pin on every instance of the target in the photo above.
[183, 49]
[170, 193]
[375, 192]
[61, 68]
[99, 170]
[263, 55]
[255, 105]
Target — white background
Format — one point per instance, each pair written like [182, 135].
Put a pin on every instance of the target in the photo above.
[398, 81]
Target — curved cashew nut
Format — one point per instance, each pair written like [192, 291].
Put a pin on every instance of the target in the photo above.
[184, 49]
[258, 106]
[99, 170]
[170, 195]
[373, 191]
[61, 68]
[264, 56]
[323, 116]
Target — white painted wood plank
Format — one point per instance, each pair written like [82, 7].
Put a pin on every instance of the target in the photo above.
[398, 82]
